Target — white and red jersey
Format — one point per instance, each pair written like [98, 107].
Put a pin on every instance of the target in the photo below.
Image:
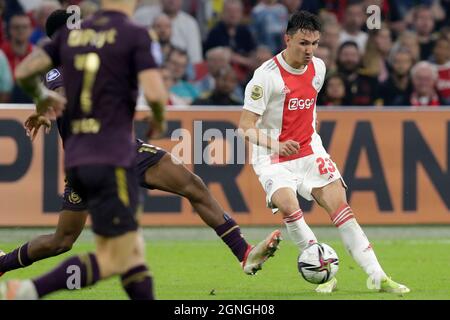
[443, 83]
[286, 100]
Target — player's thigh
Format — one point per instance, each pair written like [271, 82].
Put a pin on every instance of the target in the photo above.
[285, 199]
[73, 215]
[277, 179]
[322, 181]
[170, 175]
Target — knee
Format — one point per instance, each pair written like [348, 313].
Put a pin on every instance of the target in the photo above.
[287, 209]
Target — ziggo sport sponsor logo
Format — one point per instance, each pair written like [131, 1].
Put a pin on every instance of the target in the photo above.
[300, 104]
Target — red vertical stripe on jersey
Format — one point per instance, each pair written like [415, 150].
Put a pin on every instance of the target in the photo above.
[298, 110]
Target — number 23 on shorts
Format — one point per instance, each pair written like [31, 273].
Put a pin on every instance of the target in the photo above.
[325, 165]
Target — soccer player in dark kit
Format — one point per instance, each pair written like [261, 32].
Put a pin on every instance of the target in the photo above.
[156, 169]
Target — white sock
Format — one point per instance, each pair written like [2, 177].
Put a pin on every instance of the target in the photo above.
[356, 243]
[27, 291]
[298, 230]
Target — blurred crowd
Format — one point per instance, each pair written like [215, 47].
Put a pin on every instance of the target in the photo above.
[209, 49]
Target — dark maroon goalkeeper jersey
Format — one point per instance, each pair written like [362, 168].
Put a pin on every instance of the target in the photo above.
[101, 62]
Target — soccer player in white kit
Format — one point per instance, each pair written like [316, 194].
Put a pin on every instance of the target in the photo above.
[279, 119]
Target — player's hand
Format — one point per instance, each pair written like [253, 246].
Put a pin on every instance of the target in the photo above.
[288, 148]
[51, 100]
[34, 123]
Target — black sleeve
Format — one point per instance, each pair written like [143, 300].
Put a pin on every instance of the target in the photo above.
[52, 48]
[143, 58]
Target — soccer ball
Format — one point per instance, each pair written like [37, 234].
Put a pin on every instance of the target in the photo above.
[318, 263]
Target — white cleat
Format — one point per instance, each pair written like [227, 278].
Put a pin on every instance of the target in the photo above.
[257, 255]
[327, 287]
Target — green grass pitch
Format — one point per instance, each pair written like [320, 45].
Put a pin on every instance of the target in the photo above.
[192, 264]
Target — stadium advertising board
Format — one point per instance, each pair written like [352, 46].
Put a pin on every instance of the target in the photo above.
[396, 164]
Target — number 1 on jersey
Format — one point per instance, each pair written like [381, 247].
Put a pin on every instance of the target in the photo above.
[90, 64]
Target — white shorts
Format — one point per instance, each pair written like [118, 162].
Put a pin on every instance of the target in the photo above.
[301, 175]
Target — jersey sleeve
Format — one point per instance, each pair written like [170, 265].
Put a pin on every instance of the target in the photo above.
[143, 58]
[321, 71]
[257, 92]
[53, 79]
[52, 48]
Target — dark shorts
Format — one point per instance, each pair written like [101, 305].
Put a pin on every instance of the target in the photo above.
[147, 156]
[72, 201]
[111, 194]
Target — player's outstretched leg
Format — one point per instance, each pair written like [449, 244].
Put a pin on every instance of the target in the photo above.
[121, 255]
[70, 225]
[285, 200]
[332, 198]
[172, 176]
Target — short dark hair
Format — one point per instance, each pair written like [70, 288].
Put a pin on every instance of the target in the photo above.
[346, 44]
[55, 21]
[303, 20]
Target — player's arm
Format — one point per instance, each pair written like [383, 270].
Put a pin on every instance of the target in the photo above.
[28, 74]
[248, 129]
[156, 95]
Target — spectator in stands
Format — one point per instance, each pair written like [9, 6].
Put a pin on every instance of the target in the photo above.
[292, 5]
[401, 13]
[231, 32]
[441, 57]
[206, 12]
[6, 81]
[2, 9]
[424, 24]
[333, 92]
[169, 82]
[445, 32]
[397, 89]
[18, 46]
[217, 59]
[424, 77]
[409, 40]
[222, 94]
[177, 63]
[324, 53]
[330, 38]
[185, 30]
[445, 4]
[258, 57]
[41, 14]
[268, 24]
[12, 8]
[163, 28]
[360, 89]
[354, 20]
[377, 50]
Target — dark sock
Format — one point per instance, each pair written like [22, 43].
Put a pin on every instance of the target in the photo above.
[15, 259]
[74, 273]
[138, 283]
[233, 238]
